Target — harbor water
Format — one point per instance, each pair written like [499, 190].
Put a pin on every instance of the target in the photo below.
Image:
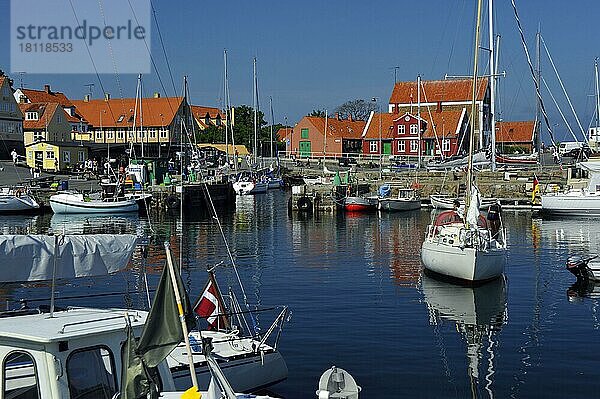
[360, 300]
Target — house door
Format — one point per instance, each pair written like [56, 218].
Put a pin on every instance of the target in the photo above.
[305, 149]
[387, 148]
[39, 158]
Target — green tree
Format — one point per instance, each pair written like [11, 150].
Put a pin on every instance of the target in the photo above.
[212, 134]
[243, 130]
[318, 113]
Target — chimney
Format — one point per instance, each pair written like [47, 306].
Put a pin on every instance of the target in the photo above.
[337, 116]
[156, 94]
[350, 117]
[106, 96]
[47, 89]
[439, 106]
[86, 98]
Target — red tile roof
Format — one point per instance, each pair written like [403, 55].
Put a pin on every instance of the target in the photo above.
[387, 126]
[200, 111]
[438, 90]
[45, 113]
[283, 132]
[342, 128]
[445, 122]
[42, 96]
[515, 132]
[119, 112]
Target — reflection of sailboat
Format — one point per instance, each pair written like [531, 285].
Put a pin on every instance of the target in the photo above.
[478, 312]
[94, 224]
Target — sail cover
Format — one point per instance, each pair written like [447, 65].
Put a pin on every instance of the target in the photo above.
[31, 257]
[474, 205]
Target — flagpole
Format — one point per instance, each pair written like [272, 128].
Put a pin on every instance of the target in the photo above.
[181, 315]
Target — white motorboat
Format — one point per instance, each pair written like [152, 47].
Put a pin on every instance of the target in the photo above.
[407, 200]
[580, 201]
[447, 202]
[17, 200]
[78, 203]
[245, 187]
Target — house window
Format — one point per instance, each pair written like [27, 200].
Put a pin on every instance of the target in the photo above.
[31, 116]
[38, 136]
[19, 376]
[59, 118]
[74, 128]
[414, 129]
[163, 134]
[401, 146]
[401, 129]
[80, 156]
[121, 117]
[67, 157]
[121, 135]
[372, 146]
[445, 145]
[91, 373]
[49, 154]
[153, 133]
[414, 146]
[109, 134]
[99, 135]
[304, 133]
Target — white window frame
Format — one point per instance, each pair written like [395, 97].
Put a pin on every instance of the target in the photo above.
[414, 146]
[445, 145]
[414, 128]
[373, 146]
[401, 129]
[402, 146]
[67, 157]
[80, 156]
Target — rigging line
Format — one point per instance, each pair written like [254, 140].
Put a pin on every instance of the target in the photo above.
[533, 75]
[93, 62]
[162, 44]
[152, 60]
[563, 87]
[559, 110]
[112, 55]
[437, 140]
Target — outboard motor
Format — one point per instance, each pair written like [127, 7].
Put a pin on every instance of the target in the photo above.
[578, 265]
[337, 383]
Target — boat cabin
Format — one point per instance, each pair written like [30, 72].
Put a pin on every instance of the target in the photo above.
[74, 353]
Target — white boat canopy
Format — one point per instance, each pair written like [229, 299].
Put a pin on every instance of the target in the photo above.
[31, 257]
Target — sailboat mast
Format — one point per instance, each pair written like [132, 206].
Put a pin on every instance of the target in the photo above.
[597, 96]
[473, 108]
[492, 83]
[272, 122]
[418, 120]
[225, 105]
[254, 105]
[538, 73]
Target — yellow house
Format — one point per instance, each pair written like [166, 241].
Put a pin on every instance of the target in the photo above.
[53, 156]
[45, 122]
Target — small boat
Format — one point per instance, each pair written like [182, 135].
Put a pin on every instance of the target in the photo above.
[576, 201]
[78, 203]
[407, 200]
[361, 203]
[447, 202]
[517, 160]
[17, 200]
[250, 186]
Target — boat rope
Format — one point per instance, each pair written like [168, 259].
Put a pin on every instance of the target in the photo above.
[564, 89]
[567, 124]
[533, 75]
[433, 127]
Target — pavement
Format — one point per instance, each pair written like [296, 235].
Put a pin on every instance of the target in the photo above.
[11, 175]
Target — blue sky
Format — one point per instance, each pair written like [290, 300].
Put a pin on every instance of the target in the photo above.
[318, 54]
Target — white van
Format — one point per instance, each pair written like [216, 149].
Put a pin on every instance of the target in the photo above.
[568, 146]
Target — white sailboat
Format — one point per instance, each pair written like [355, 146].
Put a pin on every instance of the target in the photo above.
[576, 202]
[78, 203]
[464, 247]
[16, 200]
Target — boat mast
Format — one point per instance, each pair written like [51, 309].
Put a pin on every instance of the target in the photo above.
[225, 97]
[254, 105]
[597, 96]
[492, 83]
[272, 122]
[473, 98]
[538, 73]
[418, 120]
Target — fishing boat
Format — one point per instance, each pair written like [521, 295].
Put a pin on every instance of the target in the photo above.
[360, 203]
[407, 200]
[464, 247]
[576, 201]
[447, 202]
[17, 200]
[79, 203]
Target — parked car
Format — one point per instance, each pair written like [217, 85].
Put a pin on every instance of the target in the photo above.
[345, 161]
[582, 152]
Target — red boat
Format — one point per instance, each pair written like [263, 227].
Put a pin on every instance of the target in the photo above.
[360, 204]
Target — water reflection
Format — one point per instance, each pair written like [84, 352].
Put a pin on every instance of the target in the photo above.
[97, 224]
[478, 314]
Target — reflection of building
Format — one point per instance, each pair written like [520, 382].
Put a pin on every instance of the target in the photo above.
[478, 313]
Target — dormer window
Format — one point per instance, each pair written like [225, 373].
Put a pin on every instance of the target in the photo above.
[31, 116]
[120, 118]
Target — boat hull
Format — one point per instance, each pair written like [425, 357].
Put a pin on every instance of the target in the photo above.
[68, 204]
[360, 204]
[571, 205]
[10, 203]
[396, 205]
[467, 264]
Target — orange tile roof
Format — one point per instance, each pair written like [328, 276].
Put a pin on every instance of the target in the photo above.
[437, 90]
[515, 132]
[387, 126]
[283, 132]
[445, 122]
[119, 112]
[45, 113]
[342, 128]
[200, 111]
[42, 96]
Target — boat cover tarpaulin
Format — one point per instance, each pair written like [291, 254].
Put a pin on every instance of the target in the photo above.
[31, 257]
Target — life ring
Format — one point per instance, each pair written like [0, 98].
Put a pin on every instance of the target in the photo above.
[304, 204]
[172, 202]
